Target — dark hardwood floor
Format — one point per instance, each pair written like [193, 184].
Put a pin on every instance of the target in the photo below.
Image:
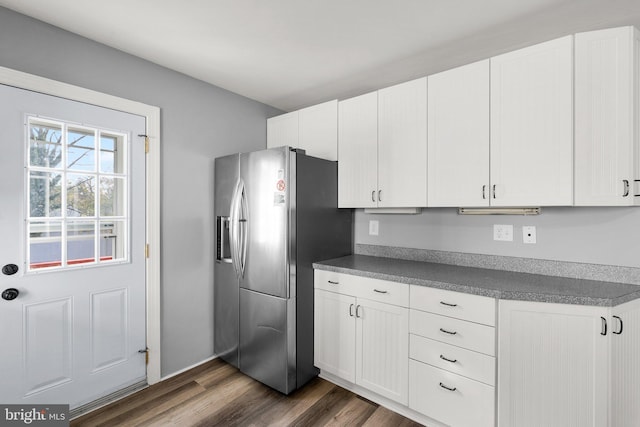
[217, 394]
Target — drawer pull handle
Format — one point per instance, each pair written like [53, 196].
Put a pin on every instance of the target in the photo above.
[380, 292]
[333, 283]
[351, 310]
[448, 360]
[448, 388]
[358, 308]
[448, 304]
[448, 332]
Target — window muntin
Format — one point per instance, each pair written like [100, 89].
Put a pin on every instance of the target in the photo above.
[77, 204]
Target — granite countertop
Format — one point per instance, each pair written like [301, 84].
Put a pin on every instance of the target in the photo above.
[486, 282]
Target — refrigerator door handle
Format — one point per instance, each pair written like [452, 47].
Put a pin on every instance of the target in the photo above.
[234, 224]
[244, 228]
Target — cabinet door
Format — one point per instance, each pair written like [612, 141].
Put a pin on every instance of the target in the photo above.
[382, 349]
[625, 375]
[606, 91]
[552, 365]
[402, 145]
[358, 152]
[458, 136]
[335, 334]
[283, 130]
[532, 125]
[318, 130]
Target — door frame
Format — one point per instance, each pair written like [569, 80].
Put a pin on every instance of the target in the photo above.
[47, 86]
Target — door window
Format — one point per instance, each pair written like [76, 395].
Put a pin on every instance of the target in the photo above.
[77, 210]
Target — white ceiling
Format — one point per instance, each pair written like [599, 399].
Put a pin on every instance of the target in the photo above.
[295, 53]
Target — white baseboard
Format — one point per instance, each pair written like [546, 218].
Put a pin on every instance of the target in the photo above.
[181, 371]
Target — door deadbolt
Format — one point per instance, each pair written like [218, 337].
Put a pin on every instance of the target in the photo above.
[10, 269]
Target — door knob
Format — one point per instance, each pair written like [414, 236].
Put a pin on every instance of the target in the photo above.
[11, 293]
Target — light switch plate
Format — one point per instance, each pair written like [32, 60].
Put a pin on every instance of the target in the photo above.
[373, 227]
[503, 232]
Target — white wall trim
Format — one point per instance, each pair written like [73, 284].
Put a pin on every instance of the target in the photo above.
[152, 114]
[181, 371]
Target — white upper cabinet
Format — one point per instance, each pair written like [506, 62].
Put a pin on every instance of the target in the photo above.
[458, 136]
[382, 148]
[532, 125]
[607, 154]
[358, 152]
[313, 129]
[402, 145]
[283, 130]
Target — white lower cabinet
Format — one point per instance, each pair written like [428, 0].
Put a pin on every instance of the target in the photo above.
[361, 340]
[568, 365]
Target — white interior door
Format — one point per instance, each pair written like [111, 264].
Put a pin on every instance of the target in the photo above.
[72, 219]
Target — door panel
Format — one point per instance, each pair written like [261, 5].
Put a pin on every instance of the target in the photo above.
[47, 341]
[75, 333]
[267, 182]
[108, 328]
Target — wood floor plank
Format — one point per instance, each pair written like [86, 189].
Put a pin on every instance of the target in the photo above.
[324, 409]
[148, 410]
[385, 417]
[146, 395]
[286, 411]
[216, 393]
[354, 413]
[200, 407]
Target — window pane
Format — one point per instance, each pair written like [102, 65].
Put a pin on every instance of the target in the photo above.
[111, 154]
[45, 244]
[45, 194]
[81, 145]
[45, 145]
[81, 195]
[112, 240]
[81, 242]
[112, 196]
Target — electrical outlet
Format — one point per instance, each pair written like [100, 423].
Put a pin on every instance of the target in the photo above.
[373, 228]
[503, 232]
[528, 234]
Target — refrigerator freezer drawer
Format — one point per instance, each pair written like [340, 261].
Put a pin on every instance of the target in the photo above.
[267, 340]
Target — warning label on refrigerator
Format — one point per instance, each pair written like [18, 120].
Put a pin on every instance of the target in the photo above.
[278, 199]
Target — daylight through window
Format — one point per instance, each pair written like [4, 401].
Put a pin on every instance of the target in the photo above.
[77, 210]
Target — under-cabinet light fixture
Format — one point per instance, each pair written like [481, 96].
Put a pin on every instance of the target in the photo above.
[499, 211]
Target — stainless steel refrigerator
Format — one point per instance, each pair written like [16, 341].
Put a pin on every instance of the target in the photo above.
[276, 213]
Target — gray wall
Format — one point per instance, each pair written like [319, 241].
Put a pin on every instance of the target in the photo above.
[199, 122]
[608, 236]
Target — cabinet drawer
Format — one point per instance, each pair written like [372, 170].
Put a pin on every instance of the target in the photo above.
[467, 403]
[471, 364]
[461, 333]
[473, 308]
[329, 281]
[363, 287]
